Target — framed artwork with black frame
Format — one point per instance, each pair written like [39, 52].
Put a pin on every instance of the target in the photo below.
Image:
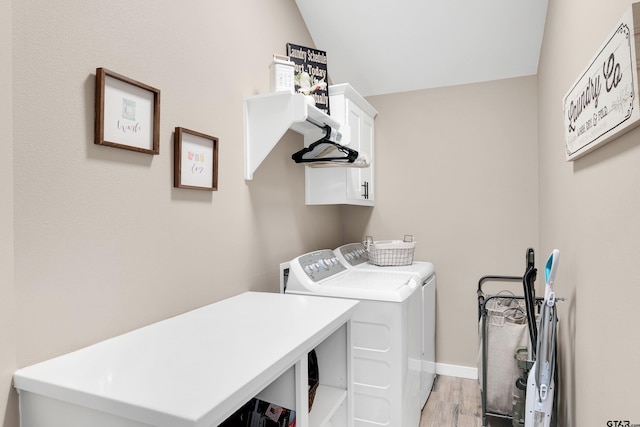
[127, 113]
[195, 160]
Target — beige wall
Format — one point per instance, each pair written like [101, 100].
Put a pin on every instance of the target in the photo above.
[8, 416]
[589, 210]
[457, 167]
[103, 242]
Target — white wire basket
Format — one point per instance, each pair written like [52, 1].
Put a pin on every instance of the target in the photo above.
[386, 253]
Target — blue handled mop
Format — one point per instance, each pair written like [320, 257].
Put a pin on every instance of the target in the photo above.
[540, 384]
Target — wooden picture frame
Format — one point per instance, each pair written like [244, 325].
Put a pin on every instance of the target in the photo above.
[127, 113]
[195, 160]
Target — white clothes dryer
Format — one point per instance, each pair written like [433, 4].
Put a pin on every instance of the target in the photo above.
[384, 328]
[354, 256]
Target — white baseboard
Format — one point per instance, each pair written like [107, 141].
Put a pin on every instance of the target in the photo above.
[457, 371]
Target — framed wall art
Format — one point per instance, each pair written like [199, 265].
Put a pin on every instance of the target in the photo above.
[195, 160]
[127, 113]
[603, 102]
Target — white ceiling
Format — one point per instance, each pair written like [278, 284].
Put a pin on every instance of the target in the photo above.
[388, 46]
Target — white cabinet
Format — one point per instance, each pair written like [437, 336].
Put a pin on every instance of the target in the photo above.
[196, 369]
[346, 185]
[268, 117]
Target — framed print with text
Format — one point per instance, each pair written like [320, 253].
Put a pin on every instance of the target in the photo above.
[195, 160]
[127, 113]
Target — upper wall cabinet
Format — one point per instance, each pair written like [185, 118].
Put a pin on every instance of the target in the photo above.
[267, 118]
[346, 185]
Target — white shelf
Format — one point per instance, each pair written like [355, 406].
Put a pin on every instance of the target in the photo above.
[326, 403]
[267, 118]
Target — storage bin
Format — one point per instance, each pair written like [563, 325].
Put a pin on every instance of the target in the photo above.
[390, 252]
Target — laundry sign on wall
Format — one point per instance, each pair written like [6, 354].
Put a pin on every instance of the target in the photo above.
[603, 102]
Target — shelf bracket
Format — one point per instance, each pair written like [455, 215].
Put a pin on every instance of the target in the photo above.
[268, 117]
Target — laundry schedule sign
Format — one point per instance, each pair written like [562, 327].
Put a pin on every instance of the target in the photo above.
[310, 74]
[603, 103]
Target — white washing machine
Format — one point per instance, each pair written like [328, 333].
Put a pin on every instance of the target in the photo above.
[354, 256]
[385, 327]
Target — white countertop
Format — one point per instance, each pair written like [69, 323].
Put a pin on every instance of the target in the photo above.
[194, 369]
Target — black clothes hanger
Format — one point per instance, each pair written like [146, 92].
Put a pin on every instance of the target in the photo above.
[325, 150]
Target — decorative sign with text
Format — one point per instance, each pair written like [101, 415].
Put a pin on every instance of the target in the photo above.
[310, 73]
[603, 102]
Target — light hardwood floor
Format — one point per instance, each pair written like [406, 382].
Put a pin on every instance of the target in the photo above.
[455, 402]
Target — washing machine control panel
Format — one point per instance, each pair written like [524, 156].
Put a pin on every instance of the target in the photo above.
[320, 265]
[354, 253]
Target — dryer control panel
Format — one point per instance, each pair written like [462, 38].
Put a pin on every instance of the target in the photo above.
[353, 253]
[320, 264]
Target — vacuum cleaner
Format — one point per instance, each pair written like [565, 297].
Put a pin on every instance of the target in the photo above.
[540, 382]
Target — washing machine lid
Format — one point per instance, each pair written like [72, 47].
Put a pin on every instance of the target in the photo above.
[354, 256]
[356, 284]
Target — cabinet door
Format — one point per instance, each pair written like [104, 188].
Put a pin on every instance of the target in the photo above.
[346, 185]
[360, 184]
